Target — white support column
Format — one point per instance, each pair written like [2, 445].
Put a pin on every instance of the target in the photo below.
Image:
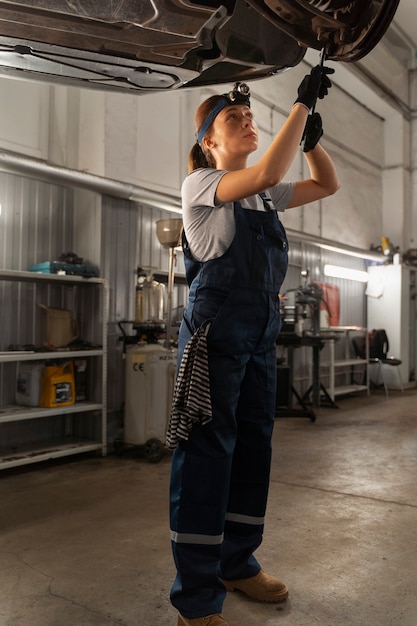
[413, 159]
[396, 214]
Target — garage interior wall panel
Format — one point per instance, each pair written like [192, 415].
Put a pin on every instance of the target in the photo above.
[24, 120]
[119, 256]
[129, 241]
[159, 142]
[353, 216]
[35, 219]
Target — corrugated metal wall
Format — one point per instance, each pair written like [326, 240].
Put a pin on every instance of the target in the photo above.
[313, 258]
[36, 224]
[35, 221]
[129, 241]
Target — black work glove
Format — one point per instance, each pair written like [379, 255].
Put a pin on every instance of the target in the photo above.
[313, 130]
[314, 85]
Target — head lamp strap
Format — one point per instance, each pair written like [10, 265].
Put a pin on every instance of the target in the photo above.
[239, 95]
[211, 117]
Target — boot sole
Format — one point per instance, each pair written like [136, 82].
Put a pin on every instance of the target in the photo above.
[181, 621]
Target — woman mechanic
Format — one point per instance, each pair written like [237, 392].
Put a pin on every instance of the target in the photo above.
[235, 252]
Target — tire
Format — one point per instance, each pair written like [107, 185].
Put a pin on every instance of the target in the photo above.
[154, 450]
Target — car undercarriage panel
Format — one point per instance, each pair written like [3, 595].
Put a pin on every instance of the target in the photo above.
[157, 45]
[346, 29]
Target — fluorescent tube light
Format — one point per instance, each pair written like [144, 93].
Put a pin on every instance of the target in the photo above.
[345, 272]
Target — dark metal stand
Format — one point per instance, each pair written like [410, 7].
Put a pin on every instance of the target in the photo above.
[292, 341]
[317, 388]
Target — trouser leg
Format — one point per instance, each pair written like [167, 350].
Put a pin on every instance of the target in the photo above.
[200, 478]
[250, 473]
[203, 469]
[197, 532]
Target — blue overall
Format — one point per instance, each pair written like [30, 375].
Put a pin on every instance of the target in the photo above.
[220, 476]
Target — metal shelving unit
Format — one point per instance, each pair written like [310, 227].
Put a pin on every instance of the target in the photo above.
[83, 425]
[344, 365]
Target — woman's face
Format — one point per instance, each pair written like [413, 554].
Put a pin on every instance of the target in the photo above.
[234, 131]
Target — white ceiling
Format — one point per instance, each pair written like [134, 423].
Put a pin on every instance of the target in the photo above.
[406, 18]
[405, 23]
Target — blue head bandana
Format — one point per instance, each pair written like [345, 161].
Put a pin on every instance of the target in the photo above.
[239, 95]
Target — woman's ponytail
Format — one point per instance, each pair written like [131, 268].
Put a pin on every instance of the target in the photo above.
[201, 156]
[196, 158]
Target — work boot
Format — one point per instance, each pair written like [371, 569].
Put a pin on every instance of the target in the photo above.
[262, 587]
[210, 620]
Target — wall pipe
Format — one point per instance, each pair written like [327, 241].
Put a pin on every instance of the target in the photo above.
[13, 162]
[328, 244]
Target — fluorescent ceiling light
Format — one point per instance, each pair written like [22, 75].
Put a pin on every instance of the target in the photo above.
[345, 272]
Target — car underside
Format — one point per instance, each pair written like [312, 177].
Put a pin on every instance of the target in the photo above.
[159, 45]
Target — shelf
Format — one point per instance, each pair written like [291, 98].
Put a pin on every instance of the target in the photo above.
[30, 277]
[342, 390]
[344, 363]
[24, 456]
[10, 357]
[342, 329]
[18, 413]
[84, 423]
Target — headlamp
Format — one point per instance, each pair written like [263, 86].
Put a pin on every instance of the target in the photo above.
[240, 94]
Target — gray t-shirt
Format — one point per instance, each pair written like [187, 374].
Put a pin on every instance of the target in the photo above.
[210, 227]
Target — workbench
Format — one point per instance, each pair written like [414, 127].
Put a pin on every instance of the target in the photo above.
[292, 341]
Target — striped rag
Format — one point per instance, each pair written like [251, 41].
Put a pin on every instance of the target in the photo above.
[191, 402]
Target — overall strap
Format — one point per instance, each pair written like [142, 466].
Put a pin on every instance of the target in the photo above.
[267, 201]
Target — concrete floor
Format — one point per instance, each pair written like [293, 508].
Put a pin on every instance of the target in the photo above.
[85, 541]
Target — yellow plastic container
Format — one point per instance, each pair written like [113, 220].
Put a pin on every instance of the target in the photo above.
[57, 386]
